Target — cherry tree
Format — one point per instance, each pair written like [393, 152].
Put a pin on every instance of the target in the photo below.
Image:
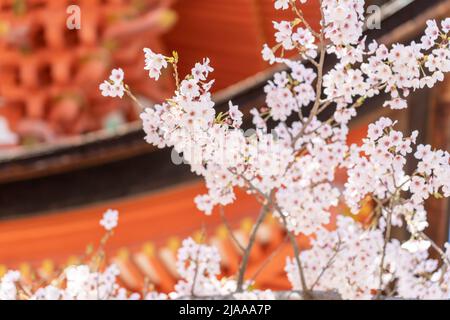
[288, 162]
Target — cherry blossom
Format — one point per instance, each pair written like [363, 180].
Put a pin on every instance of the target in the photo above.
[7, 137]
[154, 63]
[267, 54]
[235, 115]
[201, 71]
[343, 20]
[189, 88]
[114, 86]
[282, 4]
[110, 219]
[198, 266]
[8, 289]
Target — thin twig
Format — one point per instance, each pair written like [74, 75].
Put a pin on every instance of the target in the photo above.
[175, 73]
[300, 15]
[444, 257]
[268, 259]
[321, 62]
[306, 291]
[243, 267]
[230, 230]
[329, 263]
[387, 237]
[133, 97]
[194, 280]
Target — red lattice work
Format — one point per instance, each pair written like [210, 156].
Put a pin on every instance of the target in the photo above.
[49, 74]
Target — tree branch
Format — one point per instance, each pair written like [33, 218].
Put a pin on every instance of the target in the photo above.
[243, 267]
[230, 230]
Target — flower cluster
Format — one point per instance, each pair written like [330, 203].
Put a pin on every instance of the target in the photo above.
[154, 63]
[362, 70]
[419, 277]
[287, 38]
[198, 266]
[85, 284]
[307, 192]
[113, 87]
[347, 260]
[344, 21]
[365, 72]
[110, 219]
[81, 284]
[76, 282]
[290, 92]
[377, 168]
[8, 288]
[212, 143]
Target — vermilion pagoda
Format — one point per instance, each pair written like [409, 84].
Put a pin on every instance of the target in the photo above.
[50, 73]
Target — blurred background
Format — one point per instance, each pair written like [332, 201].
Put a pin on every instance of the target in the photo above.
[67, 154]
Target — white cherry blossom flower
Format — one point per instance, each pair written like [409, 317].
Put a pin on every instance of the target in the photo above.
[110, 219]
[189, 88]
[235, 114]
[113, 87]
[414, 245]
[281, 4]
[154, 63]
